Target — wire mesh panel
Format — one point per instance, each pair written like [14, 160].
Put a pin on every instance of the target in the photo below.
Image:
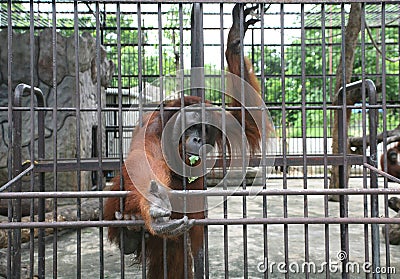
[199, 140]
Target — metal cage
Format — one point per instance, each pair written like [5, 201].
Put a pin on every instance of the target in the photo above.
[80, 75]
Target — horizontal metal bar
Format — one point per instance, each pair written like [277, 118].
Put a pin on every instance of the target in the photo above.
[211, 193]
[253, 1]
[113, 164]
[150, 108]
[46, 195]
[72, 165]
[289, 192]
[235, 221]
[297, 220]
[318, 160]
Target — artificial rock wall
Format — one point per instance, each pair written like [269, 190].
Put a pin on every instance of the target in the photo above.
[67, 97]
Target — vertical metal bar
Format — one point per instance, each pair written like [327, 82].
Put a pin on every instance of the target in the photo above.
[244, 139]
[374, 160]
[264, 136]
[384, 126]
[17, 168]
[160, 62]
[374, 181]
[161, 79]
[284, 136]
[120, 133]
[325, 135]
[15, 253]
[99, 137]
[41, 201]
[223, 100]
[139, 30]
[11, 127]
[140, 61]
[197, 51]
[78, 141]
[144, 254]
[41, 155]
[32, 135]
[20, 91]
[197, 89]
[183, 121]
[364, 133]
[55, 136]
[342, 140]
[304, 133]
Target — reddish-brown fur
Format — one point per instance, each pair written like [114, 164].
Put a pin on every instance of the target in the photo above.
[393, 167]
[135, 204]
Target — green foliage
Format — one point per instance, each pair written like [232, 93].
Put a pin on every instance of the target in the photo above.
[310, 89]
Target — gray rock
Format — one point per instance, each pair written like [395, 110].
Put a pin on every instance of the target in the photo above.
[67, 97]
[21, 58]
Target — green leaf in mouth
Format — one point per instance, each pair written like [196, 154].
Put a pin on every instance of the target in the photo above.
[191, 179]
[193, 159]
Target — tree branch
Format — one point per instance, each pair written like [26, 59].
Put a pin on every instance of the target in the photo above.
[392, 136]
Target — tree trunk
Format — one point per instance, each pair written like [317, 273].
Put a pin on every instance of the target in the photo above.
[351, 35]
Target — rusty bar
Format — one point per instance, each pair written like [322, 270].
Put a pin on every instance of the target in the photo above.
[197, 84]
[264, 132]
[375, 209]
[244, 139]
[113, 164]
[325, 135]
[182, 87]
[197, 51]
[210, 192]
[284, 135]
[373, 118]
[21, 90]
[370, 88]
[41, 202]
[11, 128]
[150, 107]
[384, 133]
[223, 120]
[304, 134]
[201, 222]
[342, 146]
[78, 141]
[256, 1]
[32, 134]
[55, 135]
[99, 141]
[120, 135]
[17, 169]
[364, 133]
[162, 97]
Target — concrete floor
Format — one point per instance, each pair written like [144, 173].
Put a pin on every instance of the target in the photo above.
[316, 235]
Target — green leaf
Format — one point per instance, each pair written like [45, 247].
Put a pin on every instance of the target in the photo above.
[191, 179]
[193, 159]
